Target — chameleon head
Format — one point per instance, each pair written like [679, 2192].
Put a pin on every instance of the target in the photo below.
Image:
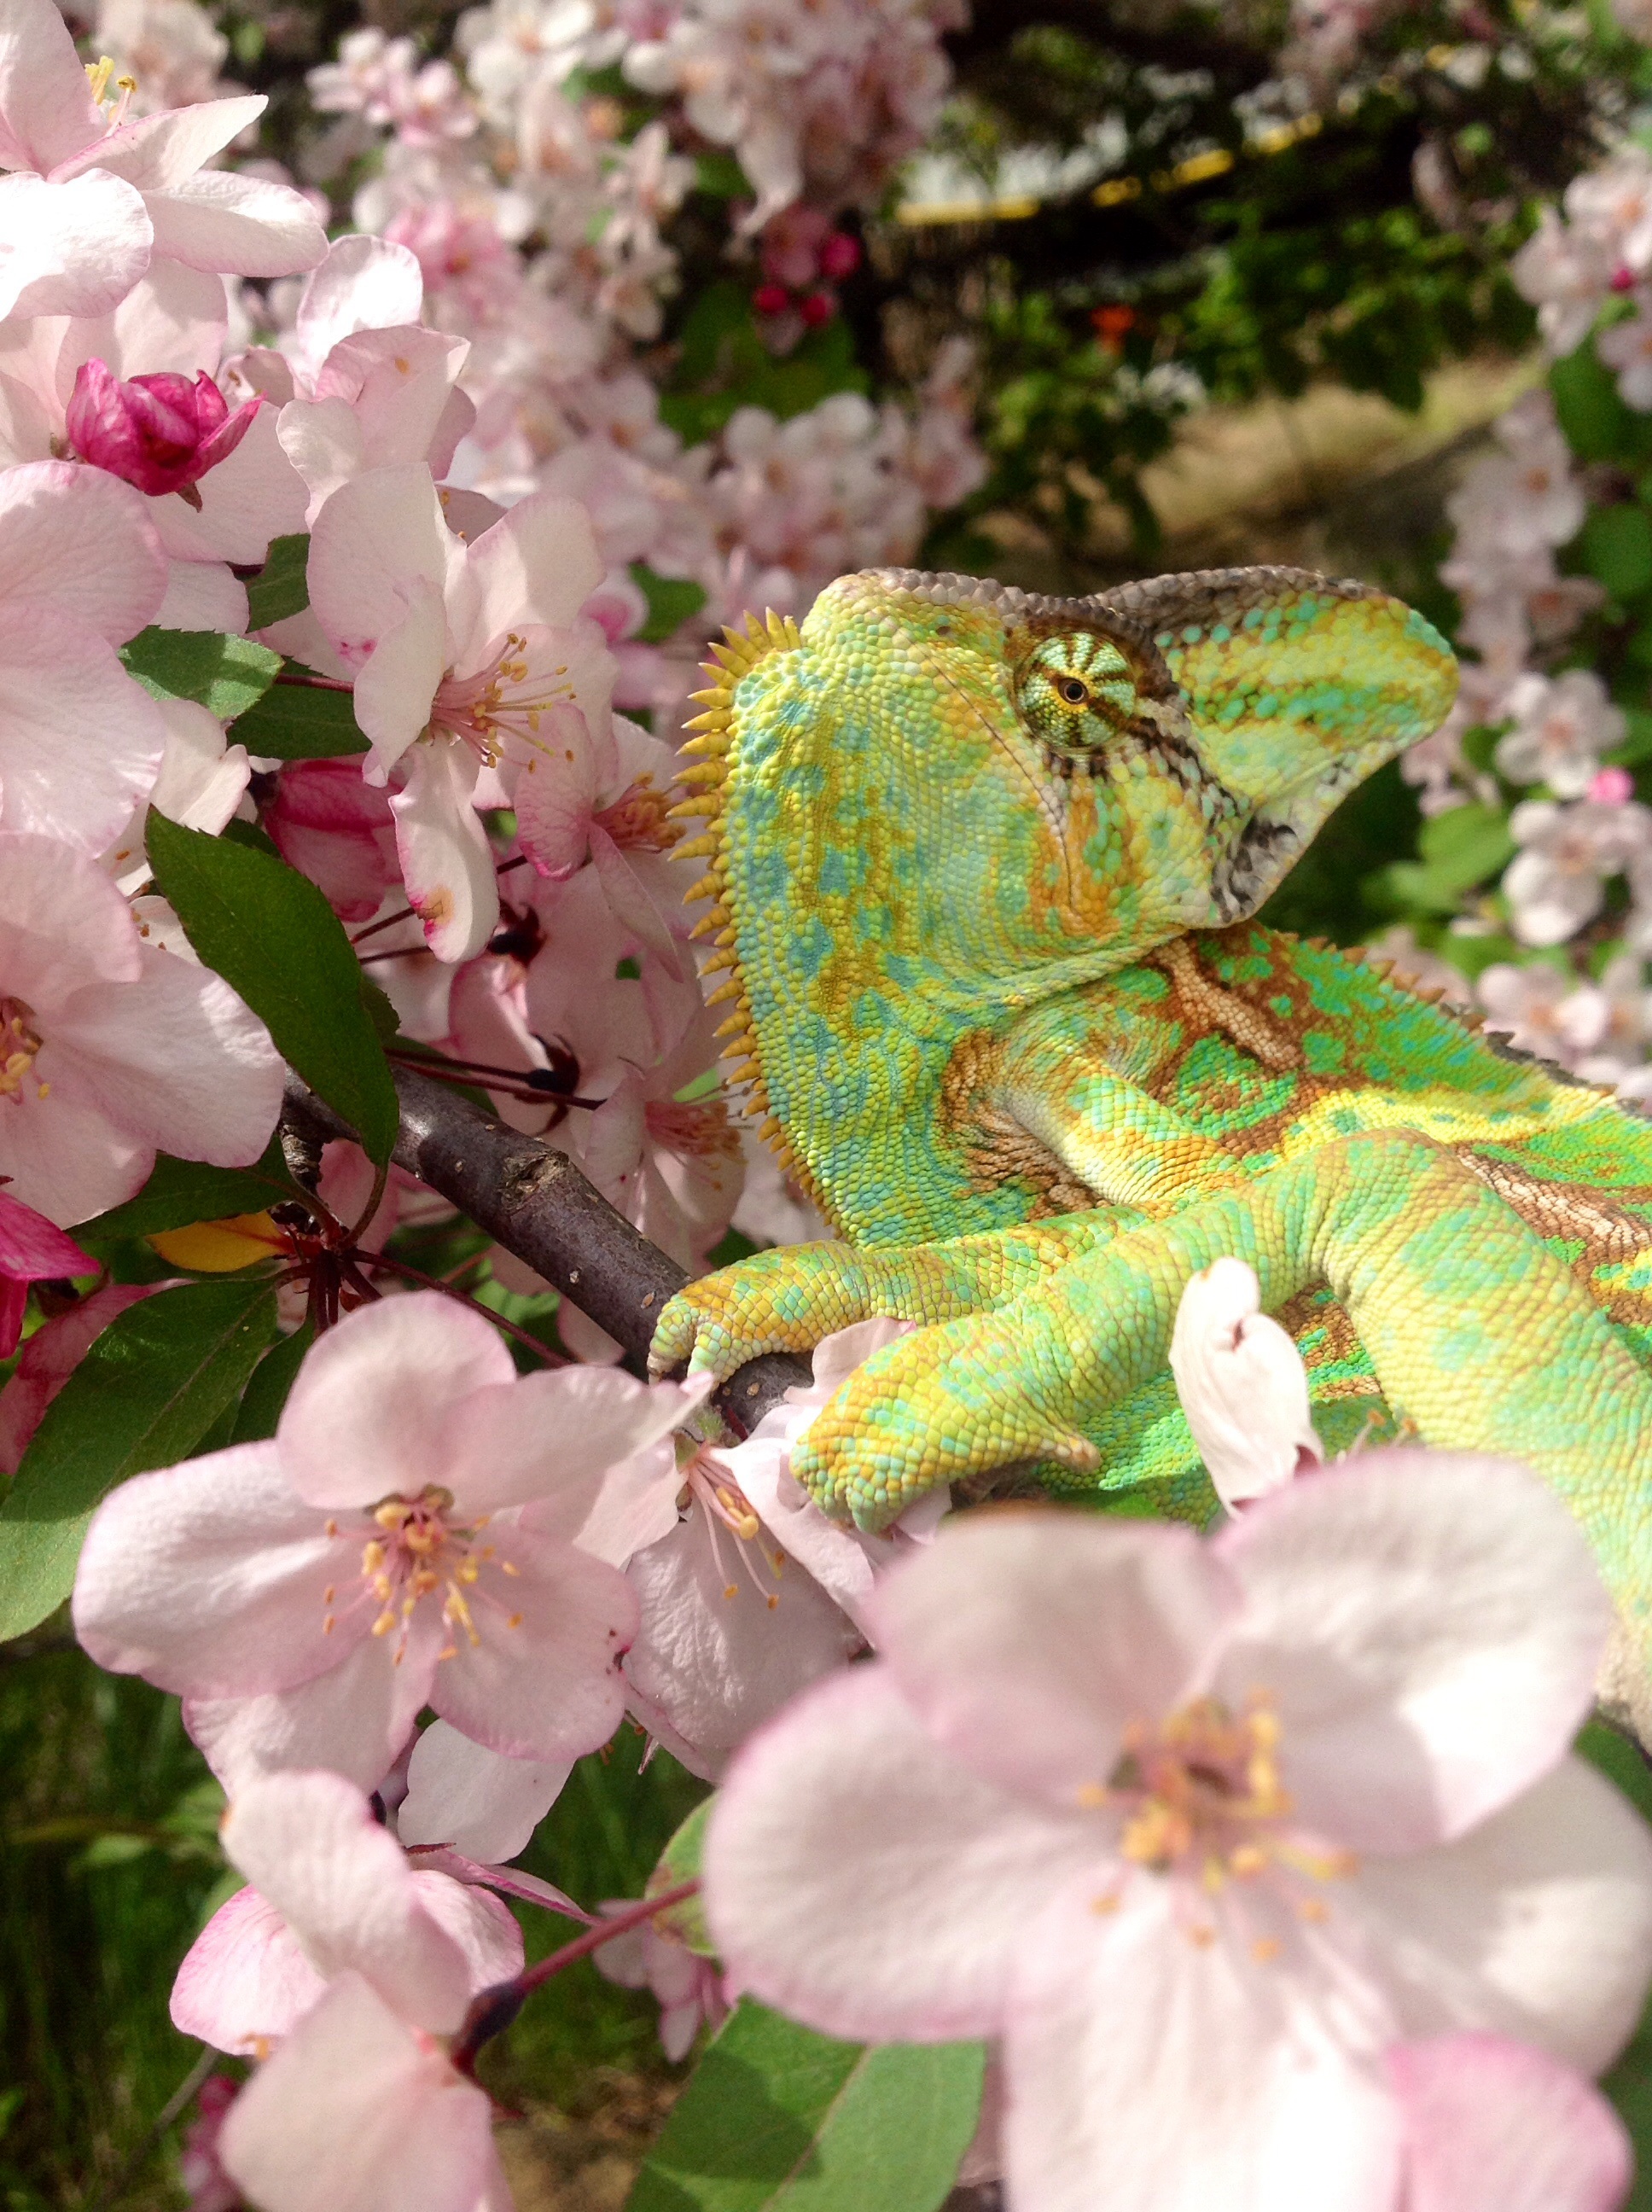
[944, 798]
[1144, 762]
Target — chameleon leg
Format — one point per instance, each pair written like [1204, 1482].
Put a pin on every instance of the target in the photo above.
[1479, 1333]
[788, 1300]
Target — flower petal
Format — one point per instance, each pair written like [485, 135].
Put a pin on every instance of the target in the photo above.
[72, 249]
[207, 1577]
[446, 862]
[869, 1885]
[244, 226]
[398, 683]
[310, 1845]
[371, 542]
[364, 284]
[460, 1794]
[357, 2112]
[1537, 1924]
[539, 563]
[541, 1678]
[1242, 1385]
[245, 1981]
[367, 1416]
[1492, 2126]
[82, 541]
[1150, 2073]
[1429, 1627]
[354, 1720]
[726, 1637]
[550, 1439]
[80, 742]
[1127, 1614]
[47, 113]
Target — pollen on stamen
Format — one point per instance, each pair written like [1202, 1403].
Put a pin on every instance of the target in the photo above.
[512, 1620]
[732, 1591]
[1266, 1949]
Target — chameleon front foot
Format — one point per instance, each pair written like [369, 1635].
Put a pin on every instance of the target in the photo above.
[781, 1301]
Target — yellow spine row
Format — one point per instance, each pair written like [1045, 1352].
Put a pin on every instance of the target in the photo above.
[708, 747]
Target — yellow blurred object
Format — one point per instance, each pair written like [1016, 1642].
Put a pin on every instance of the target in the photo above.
[217, 1248]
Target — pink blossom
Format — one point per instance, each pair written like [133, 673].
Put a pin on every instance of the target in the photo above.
[332, 1893]
[472, 660]
[160, 432]
[1006, 1825]
[1611, 786]
[1556, 881]
[338, 831]
[32, 1250]
[352, 1965]
[753, 1593]
[688, 1989]
[1242, 1386]
[200, 2169]
[50, 1358]
[94, 195]
[1562, 724]
[81, 571]
[310, 1595]
[171, 324]
[113, 1049]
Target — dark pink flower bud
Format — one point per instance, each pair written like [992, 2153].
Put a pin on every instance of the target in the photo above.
[819, 307]
[160, 432]
[770, 299]
[32, 1250]
[1623, 279]
[840, 255]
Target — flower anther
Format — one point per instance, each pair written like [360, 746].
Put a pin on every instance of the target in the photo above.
[419, 1551]
[20, 1043]
[502, 706]
[1202, 1801]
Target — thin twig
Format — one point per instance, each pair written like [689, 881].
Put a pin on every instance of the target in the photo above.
[188, 2087]
[532, 1199]
[493, 2010]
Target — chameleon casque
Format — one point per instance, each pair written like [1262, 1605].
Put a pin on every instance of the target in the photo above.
[983, 868]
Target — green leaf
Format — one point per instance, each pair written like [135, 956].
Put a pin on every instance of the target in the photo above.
[1595, 420]
[301, 721]
[146, 1393]
[224, 675]
[181, 1192]
[1638, 744]
[266, 1394]
[271, 935]
[778, 2117]
[721, 176]
[1616, 545]
[1465, 845]
[679, 1862]
[672, 600]
[280, 587]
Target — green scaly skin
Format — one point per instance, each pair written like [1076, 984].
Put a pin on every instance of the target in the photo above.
[983, 868]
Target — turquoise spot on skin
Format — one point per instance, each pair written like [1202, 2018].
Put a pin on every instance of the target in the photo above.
[1323, 1053]
[1192, 634]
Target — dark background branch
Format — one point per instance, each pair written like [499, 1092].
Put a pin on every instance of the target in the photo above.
[533, 1201]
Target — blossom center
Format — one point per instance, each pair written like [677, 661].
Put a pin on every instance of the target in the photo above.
[1201, 1799]
[638, 819]
[418, 1551]
[699, 1129]
[499, 711]
[20, 1042]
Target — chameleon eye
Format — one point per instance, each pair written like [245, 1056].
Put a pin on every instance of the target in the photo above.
[1075, 691]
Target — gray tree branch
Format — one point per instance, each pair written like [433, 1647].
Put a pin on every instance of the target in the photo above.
[533, 1201]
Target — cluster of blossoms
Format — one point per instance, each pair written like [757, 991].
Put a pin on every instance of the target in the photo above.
[1302, 1790]
[538, 208]
[1572, 919]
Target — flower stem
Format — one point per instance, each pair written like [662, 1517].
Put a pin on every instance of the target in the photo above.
[493, 2010]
